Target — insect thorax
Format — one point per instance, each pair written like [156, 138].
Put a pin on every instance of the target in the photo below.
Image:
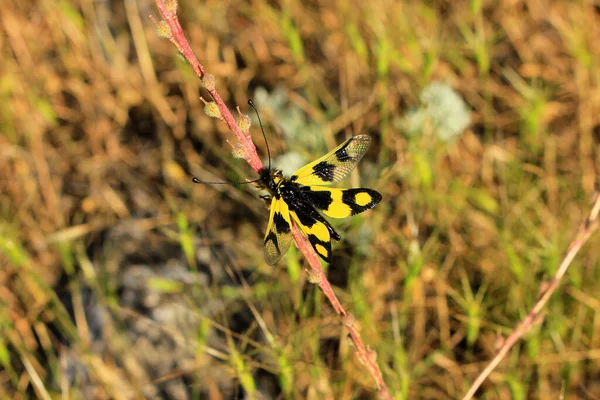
[270, 180]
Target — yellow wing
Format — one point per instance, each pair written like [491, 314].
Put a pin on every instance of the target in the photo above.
[340, 203]
[279, 231]
[335, 165]
[316, 228]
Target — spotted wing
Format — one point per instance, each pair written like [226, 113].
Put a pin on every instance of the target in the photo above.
[316, 228]
[279, 231]
[335, 165]
[340, 203]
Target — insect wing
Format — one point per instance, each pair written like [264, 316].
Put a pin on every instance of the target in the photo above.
[341, 203]
[335, 165]
[278, 236]
[316, 228]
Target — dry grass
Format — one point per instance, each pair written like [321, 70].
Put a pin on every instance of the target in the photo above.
[122, 279]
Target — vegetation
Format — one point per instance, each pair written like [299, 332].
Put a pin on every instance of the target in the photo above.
[120, 278]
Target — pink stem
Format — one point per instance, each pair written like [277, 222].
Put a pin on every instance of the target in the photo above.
[366, 356]
[178, 39]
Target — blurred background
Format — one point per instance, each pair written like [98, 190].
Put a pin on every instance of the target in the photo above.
[121, 279]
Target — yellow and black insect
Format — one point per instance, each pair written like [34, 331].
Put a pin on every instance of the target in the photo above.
[303, 195]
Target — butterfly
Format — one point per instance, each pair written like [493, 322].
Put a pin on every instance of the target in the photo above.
[304, 196]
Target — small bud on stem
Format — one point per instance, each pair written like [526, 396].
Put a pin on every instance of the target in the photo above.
[244, 123]
[171, 5]
[163, 30]
[208, 81]
[212, 110]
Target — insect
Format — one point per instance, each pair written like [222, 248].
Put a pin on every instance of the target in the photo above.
[304, 195]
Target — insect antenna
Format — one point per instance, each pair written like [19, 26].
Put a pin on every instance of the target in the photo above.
[196, 180]
[263, 131]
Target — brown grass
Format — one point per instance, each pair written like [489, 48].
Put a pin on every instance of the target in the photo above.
[116, 266]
